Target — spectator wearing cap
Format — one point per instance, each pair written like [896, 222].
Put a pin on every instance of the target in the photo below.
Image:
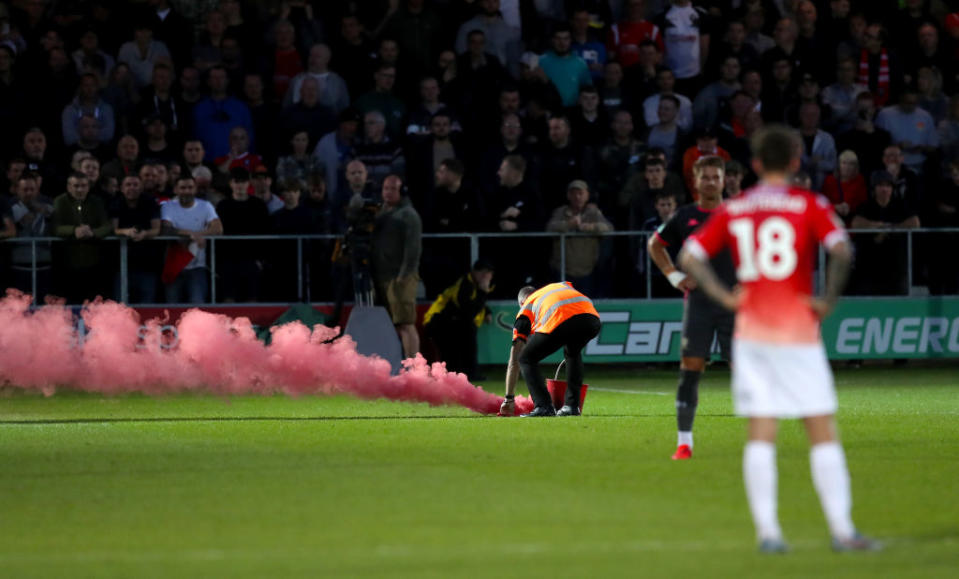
[263, 189]
[846, 188]
[239, 154]
[298, 163]
[819, 148]
[666, 82]
[382, 100]
[87, 102]
[578, 215]
[142, 53]
[331, 87]
[503, 40]
[841, 96]
[240, 262]
[217, 115]
[713, 98]
[137, 217]
[336, 148]
[156, 146]
[706, 146]
[378, 152]
[567, 71]
[881, 257]
[308, 113]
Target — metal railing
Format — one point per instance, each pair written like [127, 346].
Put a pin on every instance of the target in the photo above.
[304, 293]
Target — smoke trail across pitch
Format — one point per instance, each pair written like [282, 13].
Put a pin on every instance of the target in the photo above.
[42, 350]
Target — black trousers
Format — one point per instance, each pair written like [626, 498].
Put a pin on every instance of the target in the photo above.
[572, 336]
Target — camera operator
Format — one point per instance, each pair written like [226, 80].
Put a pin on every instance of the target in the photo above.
[397, 245]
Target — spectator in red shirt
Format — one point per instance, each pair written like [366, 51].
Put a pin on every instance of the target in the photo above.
[240, 154]
[287, 62]
[846, 189]
[626, 36]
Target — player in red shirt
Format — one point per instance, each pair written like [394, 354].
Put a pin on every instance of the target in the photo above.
[781, 370]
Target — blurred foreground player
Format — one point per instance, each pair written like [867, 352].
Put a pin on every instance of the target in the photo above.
[781, 370]
[552, 317]
[703, 319]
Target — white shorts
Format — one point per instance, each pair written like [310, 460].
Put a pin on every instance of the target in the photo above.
[781, 380]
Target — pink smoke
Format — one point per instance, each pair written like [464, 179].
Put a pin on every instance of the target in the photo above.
[41, 350]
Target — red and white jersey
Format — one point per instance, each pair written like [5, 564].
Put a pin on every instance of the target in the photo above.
[774, 234]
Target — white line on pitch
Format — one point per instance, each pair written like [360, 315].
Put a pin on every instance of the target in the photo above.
[630, 391]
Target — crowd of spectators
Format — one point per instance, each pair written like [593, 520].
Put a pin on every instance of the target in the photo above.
[209, 117]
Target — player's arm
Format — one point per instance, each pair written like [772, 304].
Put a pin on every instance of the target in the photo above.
[659, 255]
[838, 268]
[696, 264]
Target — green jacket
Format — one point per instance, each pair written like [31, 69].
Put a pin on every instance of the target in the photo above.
[68, 214]
[397, 242]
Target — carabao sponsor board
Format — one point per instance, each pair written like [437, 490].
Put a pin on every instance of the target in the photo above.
[649, 331]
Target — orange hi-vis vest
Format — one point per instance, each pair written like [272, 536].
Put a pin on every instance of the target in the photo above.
[551, 305]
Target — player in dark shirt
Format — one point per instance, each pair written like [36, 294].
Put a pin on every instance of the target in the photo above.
[702, 319]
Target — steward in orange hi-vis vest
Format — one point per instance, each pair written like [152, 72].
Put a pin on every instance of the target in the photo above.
[552, 317]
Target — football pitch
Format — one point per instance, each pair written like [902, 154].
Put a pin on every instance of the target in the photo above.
[193, 486]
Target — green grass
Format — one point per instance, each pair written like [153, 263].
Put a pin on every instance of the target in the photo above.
[277, 487]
